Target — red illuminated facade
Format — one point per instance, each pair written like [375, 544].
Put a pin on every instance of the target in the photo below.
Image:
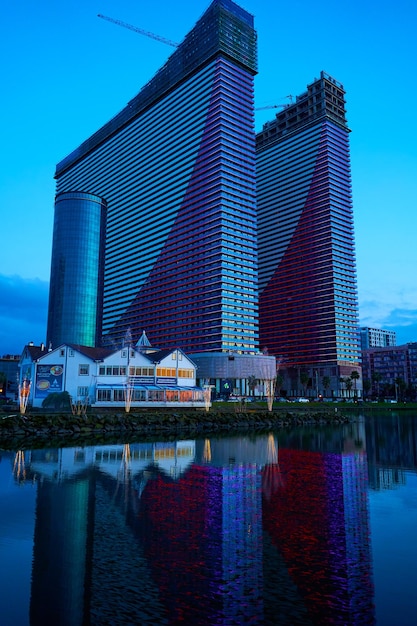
[307, 272]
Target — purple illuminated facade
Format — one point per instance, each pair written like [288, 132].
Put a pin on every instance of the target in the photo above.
[176, 168]
[308, 311]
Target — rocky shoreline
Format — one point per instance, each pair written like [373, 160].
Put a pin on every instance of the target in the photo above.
[63, 429]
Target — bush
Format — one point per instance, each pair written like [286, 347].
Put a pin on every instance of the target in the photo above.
[60, 400]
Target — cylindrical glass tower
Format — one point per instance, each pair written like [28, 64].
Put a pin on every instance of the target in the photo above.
[77, 267]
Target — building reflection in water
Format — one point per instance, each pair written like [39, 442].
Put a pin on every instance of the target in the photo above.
[201, 532]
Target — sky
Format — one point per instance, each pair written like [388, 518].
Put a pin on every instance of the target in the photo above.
[66, 72]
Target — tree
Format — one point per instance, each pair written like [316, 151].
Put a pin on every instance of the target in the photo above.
[366, 386]
[376, 378]
[349, 385]
[355, 377]
[304, 378]
[326, 384]
[60, 400]
[342, 381]
[3, 383]
[400, 386]
[279, 381]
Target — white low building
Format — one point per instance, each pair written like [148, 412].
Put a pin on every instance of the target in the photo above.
[133, 376]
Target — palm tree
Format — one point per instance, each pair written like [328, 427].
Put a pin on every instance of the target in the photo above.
[326, 384]
[376, 378]
[355, 377]
[400, 386]
[366, 385]
[304, 378]
[278, 384]
[349, 385]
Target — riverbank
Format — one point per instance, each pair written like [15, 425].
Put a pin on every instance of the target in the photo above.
[35, 430]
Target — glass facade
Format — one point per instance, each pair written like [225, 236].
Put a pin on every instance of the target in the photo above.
[177, 169]
[307, 273]
[76, 285]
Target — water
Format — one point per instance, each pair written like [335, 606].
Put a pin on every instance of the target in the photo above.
[312, 526]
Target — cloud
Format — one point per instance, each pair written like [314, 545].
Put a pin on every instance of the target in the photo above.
[402, 320]
[23, 312]
[388, 300]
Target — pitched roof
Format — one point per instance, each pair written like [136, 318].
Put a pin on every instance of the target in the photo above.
[34, 351]
[143, 341]
[157, 357]
[96, 354]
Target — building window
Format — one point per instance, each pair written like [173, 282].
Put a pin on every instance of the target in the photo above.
[83, 370]
[62, 352]
[140, 371]
[82, 392]
[166, 371]
[112, 370]
[185, 373]
[70, 352]
[104, 395]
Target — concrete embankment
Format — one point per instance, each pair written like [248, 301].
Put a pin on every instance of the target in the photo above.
[62, 429]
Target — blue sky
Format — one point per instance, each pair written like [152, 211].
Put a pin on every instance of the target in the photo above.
[66, 72]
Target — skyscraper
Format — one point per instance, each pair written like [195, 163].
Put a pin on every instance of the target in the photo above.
[176, 168]
[308, 311]
[77, 266]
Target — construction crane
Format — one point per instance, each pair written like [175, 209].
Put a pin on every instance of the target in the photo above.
[272, 106]
[275, 106]
[139, 30]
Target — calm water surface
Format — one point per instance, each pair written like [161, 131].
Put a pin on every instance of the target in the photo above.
[313, 526]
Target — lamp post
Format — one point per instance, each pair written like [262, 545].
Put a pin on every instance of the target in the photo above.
[316, 377]
[207, 396]
[128, 387]
[24, 391]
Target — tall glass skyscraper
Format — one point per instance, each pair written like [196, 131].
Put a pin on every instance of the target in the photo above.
[176, 168]
[307, 274]
[77, 270]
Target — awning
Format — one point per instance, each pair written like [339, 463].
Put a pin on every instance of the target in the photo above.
[178, 388]
[120, 386]
[147, 387]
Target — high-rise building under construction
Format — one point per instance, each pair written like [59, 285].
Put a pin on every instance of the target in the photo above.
[308, 310]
